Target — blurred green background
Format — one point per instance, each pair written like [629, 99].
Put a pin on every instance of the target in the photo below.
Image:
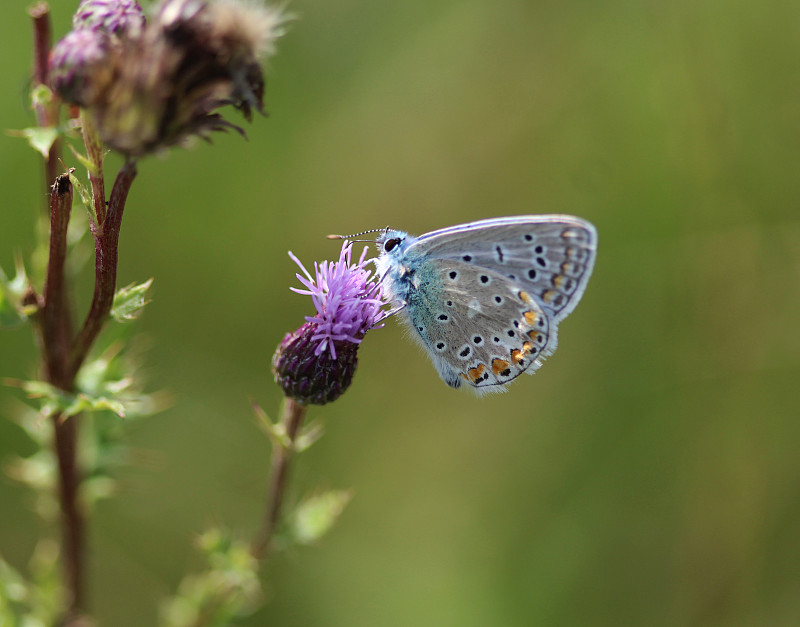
[649, 474]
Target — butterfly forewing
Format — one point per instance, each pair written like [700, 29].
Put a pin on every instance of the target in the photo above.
[480, 328]
[549, 257]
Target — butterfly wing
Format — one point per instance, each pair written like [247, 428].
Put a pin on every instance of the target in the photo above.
[478, 326]
[550, 257]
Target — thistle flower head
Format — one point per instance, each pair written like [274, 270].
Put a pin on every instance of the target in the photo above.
[316, 363]
[346, 296]
[161, 82]
[117, 17]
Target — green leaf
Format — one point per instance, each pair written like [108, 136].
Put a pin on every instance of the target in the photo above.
[41, 138]
[41, 96]
[276, 432]
[55, 401]
[9, 315]
[315, 516]
[13, 593]
[308, 436]
[129, 301]
[226, 590]
[36, 601]
[83, 192]
[12, 311]
[112, 381]
[83, 159]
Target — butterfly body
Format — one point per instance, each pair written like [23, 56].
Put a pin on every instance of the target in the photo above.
[485, 298]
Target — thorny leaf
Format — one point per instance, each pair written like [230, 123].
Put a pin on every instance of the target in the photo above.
[228, 589]
[315, 516]
[129, 301]
[40, 138]
[12, 311]
[55, 401]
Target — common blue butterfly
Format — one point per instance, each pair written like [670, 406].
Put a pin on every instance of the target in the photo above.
[485, 298]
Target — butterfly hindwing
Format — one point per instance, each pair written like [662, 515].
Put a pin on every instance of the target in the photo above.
[479, 327]
[550, 257]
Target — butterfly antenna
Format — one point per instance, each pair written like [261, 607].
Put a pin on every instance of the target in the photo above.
[350, 237]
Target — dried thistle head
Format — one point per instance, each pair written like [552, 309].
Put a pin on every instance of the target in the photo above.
[162, 84]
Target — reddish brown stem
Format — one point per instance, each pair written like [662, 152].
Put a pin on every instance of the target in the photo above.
[69, 480]
[106, 243]
[55, 325]
[46, 114]
[55, 328]
[292, 420]
[55, 319]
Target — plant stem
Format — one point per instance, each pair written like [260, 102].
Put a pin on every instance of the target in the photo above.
[106, 242]
[46, 114]
[72, 524]
[292, 417]
[55, 319]
[63, 358]
[56, 327]
[56, 331]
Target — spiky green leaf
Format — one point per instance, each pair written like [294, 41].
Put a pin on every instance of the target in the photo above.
[315, 516]
[54, 401]
[308, 436]
[36, 601]
[12, 311]
[129, 301]
[228, 589]
[83, 159]
[41, 138]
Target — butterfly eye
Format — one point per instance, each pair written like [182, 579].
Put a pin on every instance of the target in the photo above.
[390, 244]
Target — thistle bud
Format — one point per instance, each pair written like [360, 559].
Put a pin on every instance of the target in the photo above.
[123, 18]
[77, 63]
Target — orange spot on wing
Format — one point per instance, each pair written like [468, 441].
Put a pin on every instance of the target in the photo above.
[517, 356]
[558, 281]
[524, 296]
[499, 365]
[549, 295]
[534, 335]
[530, 317]
[526, 348]
[476, 373]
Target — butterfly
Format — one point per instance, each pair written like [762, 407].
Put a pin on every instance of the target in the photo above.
[485, 298]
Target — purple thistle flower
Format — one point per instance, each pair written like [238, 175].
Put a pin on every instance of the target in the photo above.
[347, 299]
[118, 17]
[316, 363]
